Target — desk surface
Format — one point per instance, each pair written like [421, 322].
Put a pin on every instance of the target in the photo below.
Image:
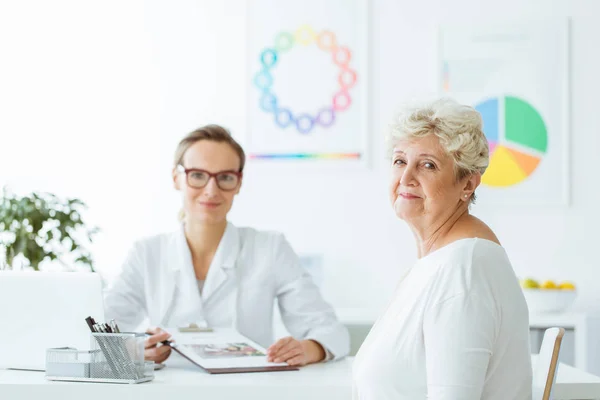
[180, 379]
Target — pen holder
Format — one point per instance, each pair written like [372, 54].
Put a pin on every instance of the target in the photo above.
[113, 357]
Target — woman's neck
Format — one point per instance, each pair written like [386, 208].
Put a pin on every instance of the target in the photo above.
[432, 234]
[204, 238]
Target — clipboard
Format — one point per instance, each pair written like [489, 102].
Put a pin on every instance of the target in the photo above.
[232, 370]
[225, 351]
[194, 328]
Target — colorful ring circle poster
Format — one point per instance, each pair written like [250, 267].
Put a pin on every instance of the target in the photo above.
[306, 95]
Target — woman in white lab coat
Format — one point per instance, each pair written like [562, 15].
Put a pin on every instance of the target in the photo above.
[212, 272]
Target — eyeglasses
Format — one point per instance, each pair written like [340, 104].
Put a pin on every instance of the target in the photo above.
[198, 178]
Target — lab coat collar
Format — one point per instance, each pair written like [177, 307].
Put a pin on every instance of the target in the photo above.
[229, 248]
[223, 264]
[225, 256]
[221, 267]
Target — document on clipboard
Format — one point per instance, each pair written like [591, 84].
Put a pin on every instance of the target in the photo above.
[224, 351]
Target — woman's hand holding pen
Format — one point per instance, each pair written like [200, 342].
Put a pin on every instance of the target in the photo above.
[154, 350]
[295, 352]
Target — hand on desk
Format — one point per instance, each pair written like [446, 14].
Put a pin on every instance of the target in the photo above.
[295, 352]
[154, 350]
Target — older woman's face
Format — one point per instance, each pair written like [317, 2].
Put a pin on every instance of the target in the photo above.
[423, 179]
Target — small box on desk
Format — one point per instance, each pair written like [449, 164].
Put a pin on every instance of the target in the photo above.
[113, 358]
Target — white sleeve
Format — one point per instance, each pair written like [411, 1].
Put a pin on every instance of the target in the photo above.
[124, 299]
[459, 335]
[303, 310]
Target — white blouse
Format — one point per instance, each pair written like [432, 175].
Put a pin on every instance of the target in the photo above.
[457, 328]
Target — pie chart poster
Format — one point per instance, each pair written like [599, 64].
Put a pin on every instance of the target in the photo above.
[516, 76]
[307, 76]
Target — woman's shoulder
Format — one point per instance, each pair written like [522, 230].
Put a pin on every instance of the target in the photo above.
[157, 245]
[469, 252]
[156, 239]
[259, 236]
[263, 250]
[147, 252]
[470, 237]
[266, 245]
[465, 267]
[461, 252]
[473, 227]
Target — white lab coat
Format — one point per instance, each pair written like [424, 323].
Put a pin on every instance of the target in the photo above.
[250, 269]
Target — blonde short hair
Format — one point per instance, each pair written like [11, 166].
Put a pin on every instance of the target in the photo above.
[458, 127]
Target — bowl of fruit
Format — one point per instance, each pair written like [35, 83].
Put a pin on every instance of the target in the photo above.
[548, 296]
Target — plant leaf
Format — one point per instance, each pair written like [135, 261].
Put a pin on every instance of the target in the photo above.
[43, 226]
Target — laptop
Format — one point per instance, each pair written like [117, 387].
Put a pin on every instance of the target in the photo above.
[41, 310]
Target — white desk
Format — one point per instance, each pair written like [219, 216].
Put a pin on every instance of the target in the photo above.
[181, 381]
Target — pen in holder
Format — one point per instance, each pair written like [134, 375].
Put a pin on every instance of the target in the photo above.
[113, 357]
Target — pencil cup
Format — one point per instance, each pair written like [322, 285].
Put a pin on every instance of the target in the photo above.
[113, 357]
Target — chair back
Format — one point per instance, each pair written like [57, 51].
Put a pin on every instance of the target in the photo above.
[544, 373]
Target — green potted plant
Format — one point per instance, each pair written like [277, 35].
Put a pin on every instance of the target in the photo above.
[43, 227]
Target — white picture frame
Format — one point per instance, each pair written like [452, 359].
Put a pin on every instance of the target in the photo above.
[512, 61]
[278, 128]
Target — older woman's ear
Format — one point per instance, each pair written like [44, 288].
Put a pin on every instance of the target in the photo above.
[471, 184]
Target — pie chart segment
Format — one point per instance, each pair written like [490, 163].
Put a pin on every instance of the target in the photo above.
[524, 125]
[528, 163]
[489, 112]
[492, 146]
[503, 170]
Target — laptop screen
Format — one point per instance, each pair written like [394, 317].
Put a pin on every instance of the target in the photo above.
[41, 310]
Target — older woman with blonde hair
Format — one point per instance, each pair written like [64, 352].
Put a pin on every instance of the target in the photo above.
[457, 326]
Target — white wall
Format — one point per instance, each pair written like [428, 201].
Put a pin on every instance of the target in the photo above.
[95, 95]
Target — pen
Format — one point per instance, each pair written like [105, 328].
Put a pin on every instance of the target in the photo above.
[165, 342]
[114, 326]
[90, 322]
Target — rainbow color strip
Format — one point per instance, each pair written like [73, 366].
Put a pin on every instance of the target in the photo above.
[325, 116]
[291, 156]
[446, 77]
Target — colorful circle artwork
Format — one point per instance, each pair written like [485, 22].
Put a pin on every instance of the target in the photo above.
[302, 120]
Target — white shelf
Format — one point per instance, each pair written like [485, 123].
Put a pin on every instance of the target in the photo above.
[585, 327]
[567, 320]
[357, 316]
